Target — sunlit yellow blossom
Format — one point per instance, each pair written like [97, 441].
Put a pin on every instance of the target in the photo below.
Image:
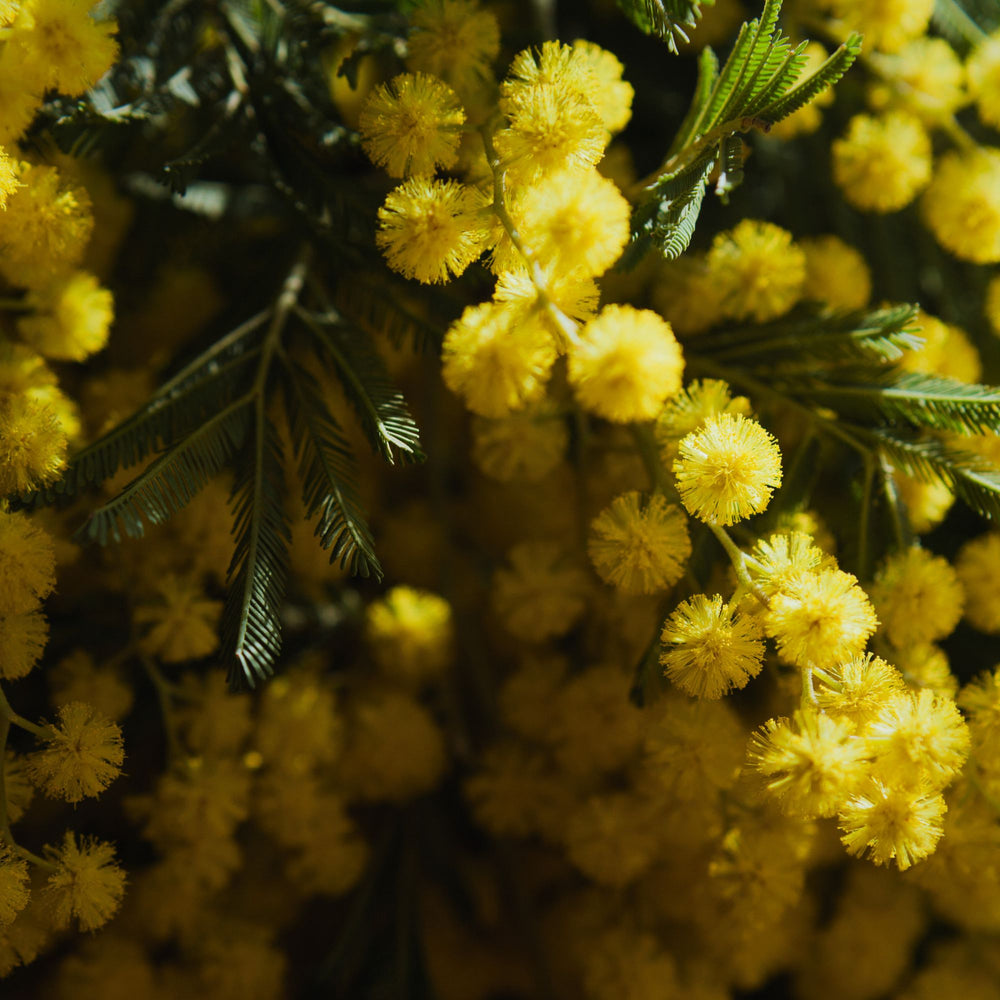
[918, 737]
[688, 410]
[758, 271]
[626, 365]
[981, 700]
[32, 444]
[65, 46]
[710, 648]
[782, 555]
[571, 293]
[685, 293]
[524, 446]
[639, 545]
[82, 756]
[542, 592]
[553, 64]
[927, 503]
[836, 273]
[926, 666]
[497, 358]
[727, 469]
[71, 318]
[858, 689]
[888, 823]
[978, 567]
[881, 163]
[550, 130]
[22, 642]
[455, 40]
[887, 24]
[9, 181]
[812, 763]
[983, 73]
[962, 204]
[410, 633]
[18, 100]
[412, 125]
[182, 621]
[820, 618]
[45, 228]
[572, 224]
[27, 563]
[917, 597]
[432, 230]
[87, 885]
[946, 350]
[925, 77]
[613, 98]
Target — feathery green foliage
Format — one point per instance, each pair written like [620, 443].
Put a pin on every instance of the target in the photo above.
[666, 19]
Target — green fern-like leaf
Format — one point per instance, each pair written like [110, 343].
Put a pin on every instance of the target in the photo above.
[929, 459]
[380, 406]
[211, 381]
[708, 73]
[930, 401]
[667, 19]
[251, 618]
[328, 473]
[173, 479]
[826, 76]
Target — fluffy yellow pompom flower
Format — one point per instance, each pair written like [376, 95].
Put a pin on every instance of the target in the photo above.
[412, 125]
[32, 444]
[62, 45]
[758, 271]
[690, 408]
[27, 563]
[859, 689]
[77, 678]
[572, 224]
[45, 228]
[882, 162]
[887, 24]
[183, 621]
[962, 204]
[918, 737]
[82, 757]
[820, 618]
[9, 181]
[639, 545]
[455, 40]
[927, 504]
[727, 469]
[14, 888]
[432, 230]
[685, 293]
[87, 885]
[550, 130]
[892, 824]
[836, 273]
[525, 446]
[925, 78]
[410, 633]
[917, 597]
[497, 358]
[19, 102]
[613, 97]
[72, 318]
[981, 700]
[542, 594]
[946, 350]
[813, 762]
[22, 642]
[710, 648]
[626, 364]
[782, 555]
[983, 73]
[978, 567]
